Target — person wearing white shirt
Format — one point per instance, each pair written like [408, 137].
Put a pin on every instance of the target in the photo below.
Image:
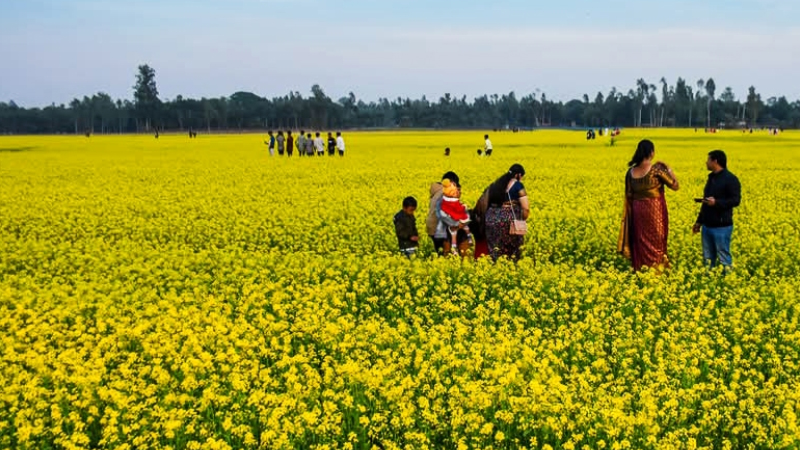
[488, 145]
[340, 143]
[319, 144]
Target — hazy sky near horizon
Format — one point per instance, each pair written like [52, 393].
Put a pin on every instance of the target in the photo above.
[56, 50]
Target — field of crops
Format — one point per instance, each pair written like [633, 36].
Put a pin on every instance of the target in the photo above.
[178, 293]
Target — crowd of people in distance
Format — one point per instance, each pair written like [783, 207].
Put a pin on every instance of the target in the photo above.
[305, 144]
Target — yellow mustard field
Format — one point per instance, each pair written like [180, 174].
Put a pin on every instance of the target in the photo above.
[185, 294]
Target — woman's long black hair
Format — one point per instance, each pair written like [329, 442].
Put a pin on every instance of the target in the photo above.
[643, 151]
[497, 191]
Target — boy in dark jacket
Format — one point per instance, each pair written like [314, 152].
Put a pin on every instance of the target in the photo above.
[405, 226]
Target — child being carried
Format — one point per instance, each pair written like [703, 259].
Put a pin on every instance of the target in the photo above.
[451, 206]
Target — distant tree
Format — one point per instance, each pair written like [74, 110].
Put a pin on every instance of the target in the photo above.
[710, 88]
[665, 99]
[642, 91]
[666, 106]
[701, 84]
[753, 105]
[145, 94]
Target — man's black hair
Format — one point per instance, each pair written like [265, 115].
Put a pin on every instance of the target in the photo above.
[719, 157]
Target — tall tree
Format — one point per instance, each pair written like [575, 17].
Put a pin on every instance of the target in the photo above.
[698, 95]
[753, 105]
[642, 91]
[683, 99]
[710, 88]
[665, 99]
[145, 94]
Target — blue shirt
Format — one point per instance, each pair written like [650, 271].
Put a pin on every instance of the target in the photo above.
[515, 190]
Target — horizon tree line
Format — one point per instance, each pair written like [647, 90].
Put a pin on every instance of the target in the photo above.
[682, 104]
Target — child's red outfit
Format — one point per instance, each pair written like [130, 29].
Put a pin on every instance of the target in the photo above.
[454, 208]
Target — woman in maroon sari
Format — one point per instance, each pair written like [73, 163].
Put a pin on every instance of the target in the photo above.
[645, 223]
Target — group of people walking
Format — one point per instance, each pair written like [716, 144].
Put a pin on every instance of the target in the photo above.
[496, 224]
[306, 144]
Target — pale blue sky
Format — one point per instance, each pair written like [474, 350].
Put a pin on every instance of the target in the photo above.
[54, 50]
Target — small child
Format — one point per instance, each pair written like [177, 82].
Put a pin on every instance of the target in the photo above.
[457, 211]
[405, 226]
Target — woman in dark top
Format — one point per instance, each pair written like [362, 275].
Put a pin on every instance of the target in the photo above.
[507, 201]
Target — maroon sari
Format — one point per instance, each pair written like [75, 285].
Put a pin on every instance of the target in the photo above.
[645, 226]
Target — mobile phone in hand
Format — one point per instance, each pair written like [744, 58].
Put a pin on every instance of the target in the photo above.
[699, 200]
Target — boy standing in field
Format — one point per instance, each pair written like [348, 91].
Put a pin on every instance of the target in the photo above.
[405, 226]
[281, 141]
[289, 143]
[309, 144]
[331, 144]
[487, 145]
[301, 143]
[319, 145]
[271, 143]
[340, 143]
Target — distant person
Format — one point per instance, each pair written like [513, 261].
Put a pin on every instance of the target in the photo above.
[487, 145]
[271, 143]
[289, 143]
[281, 140]
[340, 143]
[308, 143]
[319, 145]
[301, 143]
[405, 227]
[722, 193]
[331, 144]
[480, 152]
[447, 151]
[156, 133]
[645, 225]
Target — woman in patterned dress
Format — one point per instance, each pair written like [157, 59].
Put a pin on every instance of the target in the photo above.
[507, 201]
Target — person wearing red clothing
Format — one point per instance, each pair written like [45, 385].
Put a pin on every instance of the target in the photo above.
[456, 211]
